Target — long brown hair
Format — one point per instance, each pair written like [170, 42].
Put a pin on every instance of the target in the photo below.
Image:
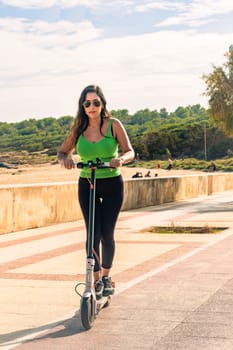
[81, 119]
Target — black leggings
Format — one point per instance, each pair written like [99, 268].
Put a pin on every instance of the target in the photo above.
[108, 201]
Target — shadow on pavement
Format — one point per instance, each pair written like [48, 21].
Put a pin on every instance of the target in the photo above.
[59, 329]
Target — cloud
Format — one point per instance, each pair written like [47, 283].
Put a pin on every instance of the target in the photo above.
[194, 9]
[43, 74]
[158, 5]
[42, 34]
[39, 4]
[35, 53]
[198, 12]
[45, 65]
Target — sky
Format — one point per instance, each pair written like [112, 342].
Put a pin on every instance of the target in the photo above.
[142, 53]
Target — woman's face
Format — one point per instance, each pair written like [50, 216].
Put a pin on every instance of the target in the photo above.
[92, 105]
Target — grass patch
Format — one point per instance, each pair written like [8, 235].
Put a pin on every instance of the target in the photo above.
[225, 164]
[184, 229]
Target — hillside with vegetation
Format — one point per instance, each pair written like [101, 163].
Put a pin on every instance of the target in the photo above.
[181, 134]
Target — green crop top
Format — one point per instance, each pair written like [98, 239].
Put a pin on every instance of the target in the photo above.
[105, 149]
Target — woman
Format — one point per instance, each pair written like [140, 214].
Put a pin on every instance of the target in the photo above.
[95, 134]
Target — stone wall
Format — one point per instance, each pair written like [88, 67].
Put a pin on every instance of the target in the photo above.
[37, 205]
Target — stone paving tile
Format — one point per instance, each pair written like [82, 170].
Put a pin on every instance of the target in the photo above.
[194, 343]
[204, 330]
[210, 317]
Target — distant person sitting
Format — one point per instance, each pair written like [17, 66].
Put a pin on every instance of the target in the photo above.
[212, 166]
[169, 164]
[138, 174]
[148, 174]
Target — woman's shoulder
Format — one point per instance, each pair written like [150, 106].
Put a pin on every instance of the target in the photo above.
[115, 122]
[117, 127]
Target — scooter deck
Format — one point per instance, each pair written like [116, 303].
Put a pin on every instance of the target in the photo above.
[103, 302]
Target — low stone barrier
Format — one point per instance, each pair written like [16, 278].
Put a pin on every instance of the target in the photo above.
[36, 205]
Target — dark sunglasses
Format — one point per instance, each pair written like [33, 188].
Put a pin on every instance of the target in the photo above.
[88, 103]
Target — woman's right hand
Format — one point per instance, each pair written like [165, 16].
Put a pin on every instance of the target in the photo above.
[65, 160]
[68, 163]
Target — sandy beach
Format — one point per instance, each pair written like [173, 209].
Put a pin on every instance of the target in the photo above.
[55, 173]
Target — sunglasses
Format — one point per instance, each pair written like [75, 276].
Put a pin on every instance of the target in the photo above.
[88, 103]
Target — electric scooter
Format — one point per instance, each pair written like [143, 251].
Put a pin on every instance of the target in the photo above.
[89, 306]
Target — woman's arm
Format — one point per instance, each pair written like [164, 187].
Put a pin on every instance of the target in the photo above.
[122, 138]
[65, 152]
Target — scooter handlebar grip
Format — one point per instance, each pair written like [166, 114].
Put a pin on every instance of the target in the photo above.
[81, 165]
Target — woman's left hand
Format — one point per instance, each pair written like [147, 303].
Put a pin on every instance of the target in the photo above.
[116, 163]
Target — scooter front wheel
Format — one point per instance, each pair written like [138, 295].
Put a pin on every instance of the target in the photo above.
[87, 312]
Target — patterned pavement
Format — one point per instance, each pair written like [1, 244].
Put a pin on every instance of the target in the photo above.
[173, 291]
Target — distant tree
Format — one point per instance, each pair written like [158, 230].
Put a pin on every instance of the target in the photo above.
[163, 113]
[6, 129]
[143, 116]
[151, 133]
[122, 115]
[220, 92]
[182, 112]
[65, 122]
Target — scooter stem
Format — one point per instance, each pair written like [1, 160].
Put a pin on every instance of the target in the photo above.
[91, 223]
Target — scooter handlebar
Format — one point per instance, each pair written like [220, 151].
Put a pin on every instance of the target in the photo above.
[90, 164]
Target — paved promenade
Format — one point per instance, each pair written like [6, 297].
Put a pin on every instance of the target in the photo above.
[173, 292]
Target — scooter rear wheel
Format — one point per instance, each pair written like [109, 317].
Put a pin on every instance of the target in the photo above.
[87, 312]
